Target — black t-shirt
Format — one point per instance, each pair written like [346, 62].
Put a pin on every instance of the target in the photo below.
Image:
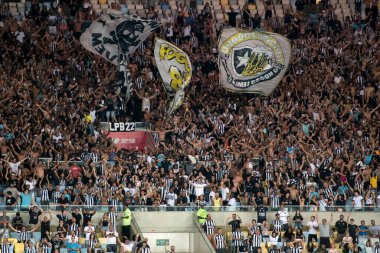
[86, 218]
[10, 201]
[262, 213]
[77, 216]
[33, 216]
[232, 18]
[352, 230]
[63, 201]
[341, 226]
[45, 227]
[235, 224]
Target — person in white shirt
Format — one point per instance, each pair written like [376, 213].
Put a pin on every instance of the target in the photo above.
[313, 226]
[20, 35]
[284, 217]
[171, 197]
[224, 189]
[111, 239]
[357, 201]
[199, 187]
[127, 245]
[88, 230]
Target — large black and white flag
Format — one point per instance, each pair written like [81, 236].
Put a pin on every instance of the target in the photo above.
[115, 34]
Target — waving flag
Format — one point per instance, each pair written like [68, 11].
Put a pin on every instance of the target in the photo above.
[114, 34]
[252, 62]
[175, 70]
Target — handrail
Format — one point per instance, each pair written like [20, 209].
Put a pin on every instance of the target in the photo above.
[190, 208]
[203, 235]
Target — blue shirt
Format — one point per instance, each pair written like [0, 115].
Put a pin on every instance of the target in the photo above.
[72, 247]
[26, 200]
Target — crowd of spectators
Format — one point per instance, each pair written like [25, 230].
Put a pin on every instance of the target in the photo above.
[312, 144]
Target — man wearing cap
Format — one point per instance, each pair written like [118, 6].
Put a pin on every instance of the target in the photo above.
[202, 213]
[126, 223]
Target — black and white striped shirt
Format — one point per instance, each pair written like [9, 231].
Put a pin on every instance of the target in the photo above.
[275, 201]
[112, 216]
[294, 250]
[145, 250]
[328, 192]
[30, 249]
[56, 196]
[24, 236]
[44, 195]
[256, 241]
[209, 226]
[238, 238]
[45, 248]
[219, 241]
[139, 82]
[89, 200]
[6, 248]
[74, 227]
[376, 249]
[277, 224]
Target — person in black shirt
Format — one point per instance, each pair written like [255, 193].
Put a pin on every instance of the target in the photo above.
[17, 221]
[352, 228]
[63, 217]
[231, 17]
[45, 226]
[34, 214]
[87, 217]
[56, 243]
[235, 223]
[261, 213]
[77, 215]
[63, 202]
[341, 227]
[10, 201]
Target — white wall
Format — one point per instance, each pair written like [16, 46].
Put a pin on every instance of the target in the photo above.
[183, 241]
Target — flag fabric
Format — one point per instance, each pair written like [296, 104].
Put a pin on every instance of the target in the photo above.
[175, 70]
[125, 79]
[115, 34]
[252, 62]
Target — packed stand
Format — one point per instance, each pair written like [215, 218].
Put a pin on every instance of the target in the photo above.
[313, 144]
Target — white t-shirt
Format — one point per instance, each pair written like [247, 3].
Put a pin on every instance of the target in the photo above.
[232, 202]
[225, 190]
[31, 184]
[284, 216]
[313, 225]
[20, 36]
[171, 198]
[111, 239]
[14, 167]
[88, 230]
[357, 201]
[127, 247]
[199, 189]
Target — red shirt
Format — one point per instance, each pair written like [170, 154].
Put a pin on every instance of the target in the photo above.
[76, 171]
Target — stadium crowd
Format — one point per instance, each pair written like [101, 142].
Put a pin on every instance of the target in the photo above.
[313, 144]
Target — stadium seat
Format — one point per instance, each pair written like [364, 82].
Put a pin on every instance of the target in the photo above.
[63, 250]
[37, 236]
[13, 235]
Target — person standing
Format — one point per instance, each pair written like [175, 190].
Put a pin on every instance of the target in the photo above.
[202, 213]
[209, 227]
[111, 239]
[341, 226]
[261, 213]
[284, 217]
[6, 246]
[324, 231]
[256, 241]
[313, 226]
[126, 223]
[235, 223]
[238, 240]
[73, 246]
[220, 244]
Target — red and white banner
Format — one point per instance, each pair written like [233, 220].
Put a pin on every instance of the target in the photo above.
[132, 140]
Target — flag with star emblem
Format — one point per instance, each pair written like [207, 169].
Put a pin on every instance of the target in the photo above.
[252, 62]
[115, 34]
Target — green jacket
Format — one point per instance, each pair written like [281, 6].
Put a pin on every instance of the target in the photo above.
[127, 217]
[202, 215]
